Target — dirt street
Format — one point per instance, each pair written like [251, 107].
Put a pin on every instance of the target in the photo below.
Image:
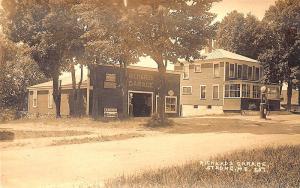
[76, 165]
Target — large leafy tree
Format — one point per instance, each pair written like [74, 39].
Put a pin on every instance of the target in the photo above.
[240, 34]
[282, 57]
[106, 40]
[170, 30]
[17, 72]
[48, 27]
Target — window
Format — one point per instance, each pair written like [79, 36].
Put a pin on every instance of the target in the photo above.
[232, 90]
[245, 72]
[239, 71]
[197, 68]
[231, 70]
[171, 104]
[215, 92]
[217, 70]
[246, 90]
[256, 91]
[257, 77]
[187, 90]
[50, 99]
[202, 92]
[249, 73]
[34, 99]
[196, 106]
[186, 72]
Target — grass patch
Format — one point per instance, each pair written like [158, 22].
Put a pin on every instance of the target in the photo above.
[282, 170]
[22, 134]
[95, 139]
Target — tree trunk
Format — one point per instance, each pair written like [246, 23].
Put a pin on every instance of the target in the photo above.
[124, 82]
[95, 108]
[74, 93]
[289, 95]
[162, 93]
[299, 95]
[57, 94]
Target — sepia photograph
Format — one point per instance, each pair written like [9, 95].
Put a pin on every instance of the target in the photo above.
[150, 93]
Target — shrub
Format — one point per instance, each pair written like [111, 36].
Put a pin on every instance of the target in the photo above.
[252, 106]
[7, 115]
[155, 121]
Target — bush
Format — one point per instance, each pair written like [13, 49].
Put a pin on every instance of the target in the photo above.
[252, 106]
[155, 121]
[7, 115]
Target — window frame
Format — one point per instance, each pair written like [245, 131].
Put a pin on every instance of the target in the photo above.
[214, 73]
[239, 71]
[247, 86]
[201, 92]
[171, 97]
[35, 97]
[187, 93]
[188, 72]
[254, 92]
[231, 76]
[197, 65]
[229, 96]
[216, 85]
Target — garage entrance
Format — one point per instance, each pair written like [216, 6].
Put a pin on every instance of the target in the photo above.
[140, 104]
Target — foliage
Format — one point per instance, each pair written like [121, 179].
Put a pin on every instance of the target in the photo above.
[281, 60]
[240, 34]
[170, 30]
[17, 72]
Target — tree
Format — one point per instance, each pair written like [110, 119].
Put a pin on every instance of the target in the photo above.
[35, 22]
[106, 42]
[282, 24]
[17, 72]
[240, 34]
[170, 30]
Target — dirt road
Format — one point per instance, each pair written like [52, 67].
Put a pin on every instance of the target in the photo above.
[91, 163]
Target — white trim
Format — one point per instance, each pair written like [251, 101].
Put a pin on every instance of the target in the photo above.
[171, 112]
[212, 96]
[188, 87]
[156, 99]
[233, 70]
[199, 65]
[224, 71]
[145, 92]
[35, 96]
[201, 92]
[219, 70]
[50, 98]
[241, 72]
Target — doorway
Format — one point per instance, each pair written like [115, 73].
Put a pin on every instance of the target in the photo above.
[140, 104]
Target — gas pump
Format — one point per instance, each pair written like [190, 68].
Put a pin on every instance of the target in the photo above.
[263, 103]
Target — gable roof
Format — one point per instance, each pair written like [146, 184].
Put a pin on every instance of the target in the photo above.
[223, 54]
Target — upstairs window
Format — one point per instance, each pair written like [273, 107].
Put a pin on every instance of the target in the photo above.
[231, 70]
[197, 68]
[249, 73]
[186, 72]
[216, 70]
[257, 76]
[187, 90]
[202, 92]
[239, 71]
[34, 99]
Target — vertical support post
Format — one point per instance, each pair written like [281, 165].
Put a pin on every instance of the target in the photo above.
[88, 93]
